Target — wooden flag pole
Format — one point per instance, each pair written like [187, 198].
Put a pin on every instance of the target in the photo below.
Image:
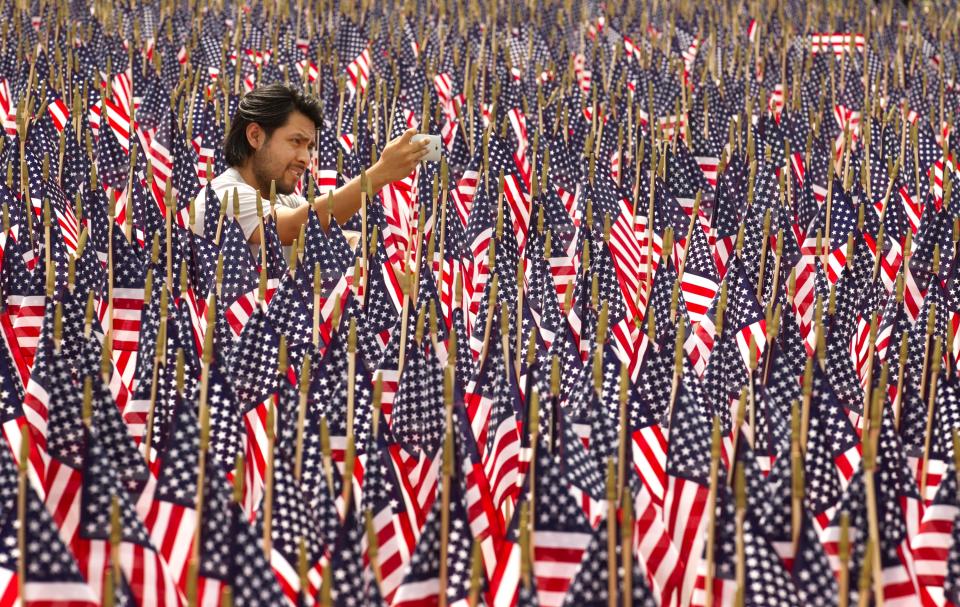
[317, 287]
[649, 227]
[525, 531]
[47, 253]
[349, 460]
[612, 578]
[223, 212]
[261, 229]
[373, 548]
[901, 368]
[797, 486]
[491, 304]
[268, 472]
[301, 415]
[626, 547]
[738, 418]
[712, 511]
[476, 574]
[622, 453]
[807, 393]
[931, 402]
[112, 218]
[773, 330]
[159, 359]
[365, 195]
[843, 553]
[948, 350]
[447, 474]
[404, 279]
[204, 419]
[740, 505]
[505, 339]
[931, 327]
[22, 489]
[869, 468]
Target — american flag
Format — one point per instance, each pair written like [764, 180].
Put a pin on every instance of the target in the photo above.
[422, 583]
[255, 384]
[385, 497]
[112, 160]
[353, 579]
[144, 569]
[725, 222]
[232, 552]
[897, 499]
[688, 464]
[294, 528]
[562, 532]
[122, 314]
[354, 52]
[172, 515]
[25, 299]
[239, 291]
[550, 133]
[700, 280]
[494, 406]
[51, 572]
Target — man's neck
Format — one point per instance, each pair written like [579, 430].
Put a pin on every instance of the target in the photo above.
[249, 177]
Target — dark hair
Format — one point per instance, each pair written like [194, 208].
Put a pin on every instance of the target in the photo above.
[269, 106]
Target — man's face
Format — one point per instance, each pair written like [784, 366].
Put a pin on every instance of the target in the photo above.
[285, 155]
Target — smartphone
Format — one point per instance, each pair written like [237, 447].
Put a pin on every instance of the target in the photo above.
[433, 147]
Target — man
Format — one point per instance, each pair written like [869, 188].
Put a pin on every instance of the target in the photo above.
[271, 139]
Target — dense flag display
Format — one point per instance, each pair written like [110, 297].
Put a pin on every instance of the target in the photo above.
[675, 321]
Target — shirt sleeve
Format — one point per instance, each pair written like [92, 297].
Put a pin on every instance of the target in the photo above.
[291, 200]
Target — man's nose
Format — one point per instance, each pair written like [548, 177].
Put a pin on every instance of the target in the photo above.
[303, 156]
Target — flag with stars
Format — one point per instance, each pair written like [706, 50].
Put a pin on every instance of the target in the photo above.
[417, 418]
[51, 572]
[562, 531]
[296, 532]
[101, 483]
[590, 585]
[172, 518]
[421, 585]
[239, 290]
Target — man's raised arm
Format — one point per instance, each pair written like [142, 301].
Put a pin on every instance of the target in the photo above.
[398, 160]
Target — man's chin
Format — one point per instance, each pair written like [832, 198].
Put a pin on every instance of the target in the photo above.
[285, 188]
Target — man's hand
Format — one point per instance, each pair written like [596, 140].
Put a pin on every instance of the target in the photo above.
[398, 160]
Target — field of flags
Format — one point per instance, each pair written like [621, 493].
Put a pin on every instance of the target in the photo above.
[673, 323]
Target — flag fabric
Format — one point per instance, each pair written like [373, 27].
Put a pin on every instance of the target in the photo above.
[553, 258]
[51, 572]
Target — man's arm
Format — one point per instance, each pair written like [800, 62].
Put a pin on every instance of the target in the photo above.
[346, 202]
[398, 160]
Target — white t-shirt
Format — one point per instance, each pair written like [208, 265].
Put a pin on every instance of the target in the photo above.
[225, 183]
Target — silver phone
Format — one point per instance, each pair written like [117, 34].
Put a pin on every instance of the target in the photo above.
[433, 147]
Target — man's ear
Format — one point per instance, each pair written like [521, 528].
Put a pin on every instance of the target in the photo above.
[255, 135]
